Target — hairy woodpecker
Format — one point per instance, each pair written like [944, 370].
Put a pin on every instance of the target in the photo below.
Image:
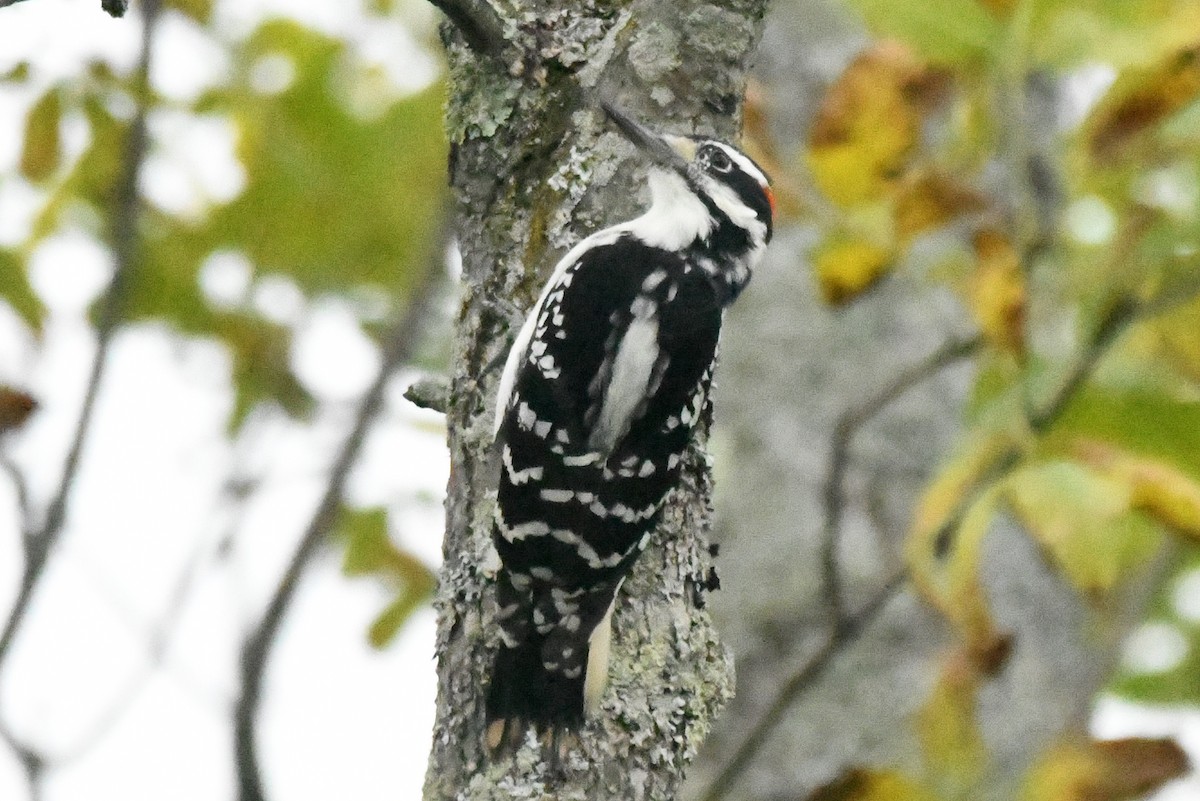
[596, 406]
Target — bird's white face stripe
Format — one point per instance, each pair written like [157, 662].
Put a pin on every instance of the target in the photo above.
[738, 212]
[746, 165]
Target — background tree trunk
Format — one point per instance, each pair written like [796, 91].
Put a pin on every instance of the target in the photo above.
[534, 169]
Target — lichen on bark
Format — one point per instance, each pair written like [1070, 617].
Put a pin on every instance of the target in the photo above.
[533, 170]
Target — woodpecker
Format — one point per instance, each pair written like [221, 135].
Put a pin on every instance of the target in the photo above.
[596, 405]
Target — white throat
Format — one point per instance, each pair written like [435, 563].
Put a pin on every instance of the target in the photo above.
[676, 217]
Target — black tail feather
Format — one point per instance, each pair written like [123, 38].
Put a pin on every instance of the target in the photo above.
[524, 694]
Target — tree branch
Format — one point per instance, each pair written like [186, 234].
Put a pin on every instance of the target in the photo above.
[256, 649]
[1115, 322]
[848, 426]
[805, 677]
[20, 489]
[39, 543]
[115, 8]
[478, 22]
[847, 630]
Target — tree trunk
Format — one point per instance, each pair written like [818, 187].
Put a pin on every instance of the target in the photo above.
[534, 169]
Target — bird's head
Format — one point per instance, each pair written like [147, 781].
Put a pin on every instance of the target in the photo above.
[732, 187]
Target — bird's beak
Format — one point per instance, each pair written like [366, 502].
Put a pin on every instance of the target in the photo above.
[673, 152]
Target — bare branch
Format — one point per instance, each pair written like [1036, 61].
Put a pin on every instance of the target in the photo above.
[256, 649]
[1114, 323]
[803, 679]
[115, 8]
[20, 488]
[847, 629]
[39, 543]
[478, 22]
[1120, 315]
[847, 427]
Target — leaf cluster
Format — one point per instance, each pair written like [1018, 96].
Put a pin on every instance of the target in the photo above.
[959, 147]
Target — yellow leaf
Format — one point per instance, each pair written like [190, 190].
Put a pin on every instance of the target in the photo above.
[957, 508]
[869, 122]
[963, 599]
[946, 492]
[847, 268]
[1083, 520]
[859, 784]
[1113, 770]
[1140, 101]
[951, 741]
[1175, 339]
[926, 199]
[996, 291]
[42, 150]
[1001, 8]
[1157, 488]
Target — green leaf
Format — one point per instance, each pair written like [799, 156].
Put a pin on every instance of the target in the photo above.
[947, 724]
[1116, 32]
[1084, 521]
[41, 153]
[199, 10]
[92, 180]
[367, 543]
[18, 74]
[261, 372]
[369, 551]
[1142, 420]
[15, 289]
[859, 784]
[387, 625]
[946, 31]
[332, 198]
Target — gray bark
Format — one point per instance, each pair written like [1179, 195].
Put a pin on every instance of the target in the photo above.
[534, 169]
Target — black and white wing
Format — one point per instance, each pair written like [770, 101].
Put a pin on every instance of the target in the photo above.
[601, 392]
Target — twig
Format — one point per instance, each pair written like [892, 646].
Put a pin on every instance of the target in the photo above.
[1115, 322]
[478, 22]
[20, 489]
[847, 427]
[851, 627]
[39, 543]
[115, 8]
[1111, 326]
[804, 678]
[256, 649]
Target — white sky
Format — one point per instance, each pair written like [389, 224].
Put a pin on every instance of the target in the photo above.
[339, 719]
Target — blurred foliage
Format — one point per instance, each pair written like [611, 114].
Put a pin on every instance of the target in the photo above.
[15, 408]
[1105, 771]
[370, 552]
[342, 192]
[964, 146]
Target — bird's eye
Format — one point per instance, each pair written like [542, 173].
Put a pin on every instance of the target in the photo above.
[718, 159]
